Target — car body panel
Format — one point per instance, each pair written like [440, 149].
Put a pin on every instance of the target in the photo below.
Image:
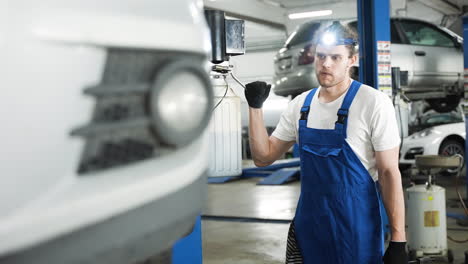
[292, 83]
[435, 70]
[51, 52]
[401, 55]
[436, 58]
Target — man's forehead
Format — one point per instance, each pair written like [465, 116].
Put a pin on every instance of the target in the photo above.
[338, 49]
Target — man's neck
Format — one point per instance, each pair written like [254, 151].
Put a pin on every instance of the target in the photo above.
[330, 94]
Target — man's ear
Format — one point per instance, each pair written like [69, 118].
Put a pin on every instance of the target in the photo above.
[352, 60]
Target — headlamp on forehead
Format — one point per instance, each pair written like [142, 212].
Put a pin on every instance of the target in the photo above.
[329, 37]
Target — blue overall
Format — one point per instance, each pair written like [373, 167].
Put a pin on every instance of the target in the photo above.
[338, 218]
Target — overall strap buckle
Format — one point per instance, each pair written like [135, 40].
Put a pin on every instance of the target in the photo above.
[304, 112]
[342, 115]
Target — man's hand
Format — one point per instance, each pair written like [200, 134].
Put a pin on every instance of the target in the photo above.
[256, 93]
[396, 253]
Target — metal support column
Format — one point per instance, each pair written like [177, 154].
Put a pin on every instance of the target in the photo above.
[374, 52]
[465, 52]
[465, 56]
[374, 44]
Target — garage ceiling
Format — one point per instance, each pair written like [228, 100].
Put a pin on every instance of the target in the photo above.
[268, 23]
[292, 4]
[442, 12]
[447, 6]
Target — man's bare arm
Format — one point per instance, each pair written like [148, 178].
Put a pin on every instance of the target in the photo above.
[265, 150]
[392, 192]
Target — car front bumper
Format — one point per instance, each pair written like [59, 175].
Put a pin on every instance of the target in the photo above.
[120, 216]
[422, 146]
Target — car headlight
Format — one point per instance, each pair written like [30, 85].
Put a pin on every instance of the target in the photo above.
[181, 102]
[423, 133]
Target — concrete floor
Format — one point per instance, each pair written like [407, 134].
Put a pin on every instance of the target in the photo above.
[243, 243]
[261, 238]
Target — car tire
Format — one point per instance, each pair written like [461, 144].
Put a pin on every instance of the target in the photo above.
[451, 147]
[444, 105]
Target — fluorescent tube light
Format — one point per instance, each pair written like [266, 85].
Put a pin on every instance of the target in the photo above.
[310, 14]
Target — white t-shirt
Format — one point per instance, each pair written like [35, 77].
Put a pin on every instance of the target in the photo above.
[372, 124]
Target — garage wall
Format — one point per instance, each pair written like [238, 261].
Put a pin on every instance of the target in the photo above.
[254, 65]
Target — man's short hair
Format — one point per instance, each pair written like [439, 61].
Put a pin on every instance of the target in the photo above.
[343, 34]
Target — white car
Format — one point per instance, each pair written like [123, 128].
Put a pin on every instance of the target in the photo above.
[437, 134]
[104, 108]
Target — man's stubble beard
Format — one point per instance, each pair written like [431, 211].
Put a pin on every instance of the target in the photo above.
[332, 82]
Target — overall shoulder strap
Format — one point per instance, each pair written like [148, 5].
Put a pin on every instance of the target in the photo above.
[306, 108]
[342, 122]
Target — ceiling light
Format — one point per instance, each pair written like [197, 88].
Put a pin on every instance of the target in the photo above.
[310, 14]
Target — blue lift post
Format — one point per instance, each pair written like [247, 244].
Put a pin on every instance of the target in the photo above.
[281, 176]
[279, 173]
[465, 56]
[374, 39]
[465, 52]
[462, 219]
[189, 248]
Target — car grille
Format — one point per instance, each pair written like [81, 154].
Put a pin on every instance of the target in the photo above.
[120, 132]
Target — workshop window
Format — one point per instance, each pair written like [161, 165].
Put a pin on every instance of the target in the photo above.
[394, 36]
[422, 34]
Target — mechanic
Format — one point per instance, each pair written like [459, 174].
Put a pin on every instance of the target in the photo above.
[348, 139]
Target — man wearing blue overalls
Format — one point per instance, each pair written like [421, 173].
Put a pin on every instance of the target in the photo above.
[348, 139]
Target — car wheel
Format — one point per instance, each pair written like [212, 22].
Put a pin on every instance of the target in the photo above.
[449, 148]
[443, 105]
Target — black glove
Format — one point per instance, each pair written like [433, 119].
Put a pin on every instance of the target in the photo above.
[396, 253]
[256, 93]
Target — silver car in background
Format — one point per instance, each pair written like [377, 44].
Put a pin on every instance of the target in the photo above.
[430, 59]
